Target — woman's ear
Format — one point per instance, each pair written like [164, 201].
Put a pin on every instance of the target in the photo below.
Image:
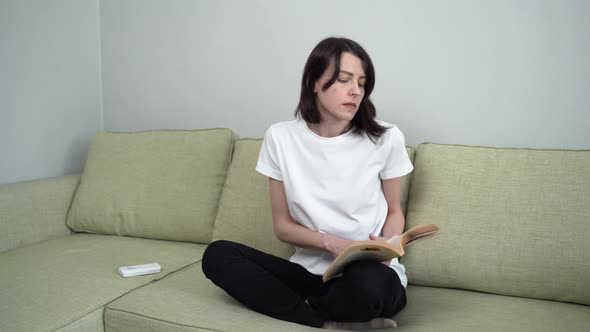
[316, 86]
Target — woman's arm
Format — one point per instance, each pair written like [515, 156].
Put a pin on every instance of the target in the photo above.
[288, 230]
[395, 221]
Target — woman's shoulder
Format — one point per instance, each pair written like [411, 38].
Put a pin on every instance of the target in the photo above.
[284, 127]
[389, 126]
[281, 130]
[287, 124]
[391, 131]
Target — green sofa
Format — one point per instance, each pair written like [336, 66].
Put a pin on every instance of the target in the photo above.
[512, 255]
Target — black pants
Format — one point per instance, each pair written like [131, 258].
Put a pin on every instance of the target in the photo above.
[278, 288]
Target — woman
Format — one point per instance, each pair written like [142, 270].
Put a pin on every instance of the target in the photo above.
[334, 177]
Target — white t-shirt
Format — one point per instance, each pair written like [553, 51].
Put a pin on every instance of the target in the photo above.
[333, 185]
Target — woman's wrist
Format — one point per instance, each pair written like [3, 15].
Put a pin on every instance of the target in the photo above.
[333, 244]
[326, 241]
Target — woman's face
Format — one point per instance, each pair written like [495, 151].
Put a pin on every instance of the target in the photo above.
[341, 100]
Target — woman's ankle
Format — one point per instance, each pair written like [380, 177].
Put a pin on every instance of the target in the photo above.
[375, 323]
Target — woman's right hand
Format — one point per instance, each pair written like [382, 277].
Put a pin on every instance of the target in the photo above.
[335, 245]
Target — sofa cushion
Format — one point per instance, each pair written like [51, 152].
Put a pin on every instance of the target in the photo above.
[439, 309]
[244, 213]
[92, 322]
[513, 221]
[65, 281]
[156, 184]
[35, 211]
[187, 301]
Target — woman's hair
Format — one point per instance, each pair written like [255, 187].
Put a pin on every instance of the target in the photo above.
[329, 51]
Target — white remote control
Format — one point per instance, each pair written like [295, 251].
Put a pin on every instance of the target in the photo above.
[139, 270]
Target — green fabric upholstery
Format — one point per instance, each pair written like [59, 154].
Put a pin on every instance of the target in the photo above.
[92, 322]
[156, 184]
[440, 310]
[188, 301]
[35, 211]
[513, 221]
[244, 213]
[53, 284]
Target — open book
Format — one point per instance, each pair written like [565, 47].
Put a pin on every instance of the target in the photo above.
[378, 250]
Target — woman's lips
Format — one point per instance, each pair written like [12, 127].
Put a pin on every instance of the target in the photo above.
[350, 105]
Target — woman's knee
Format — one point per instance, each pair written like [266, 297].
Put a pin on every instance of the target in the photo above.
[372, 285]
[214, 256]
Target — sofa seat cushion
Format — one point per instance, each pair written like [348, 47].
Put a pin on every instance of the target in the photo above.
[157, 184]
[48, 285]
[440, 309]
[513, 221]
[187, 301]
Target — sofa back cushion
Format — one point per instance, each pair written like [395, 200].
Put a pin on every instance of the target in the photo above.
[244, 214]
[513, 221]
[244, 209]
[155, 184]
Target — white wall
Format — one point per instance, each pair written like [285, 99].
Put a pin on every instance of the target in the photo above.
[50, 102]
[505, 72]
[496, 72]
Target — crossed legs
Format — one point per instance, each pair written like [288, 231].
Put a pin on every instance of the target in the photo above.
[278, 288]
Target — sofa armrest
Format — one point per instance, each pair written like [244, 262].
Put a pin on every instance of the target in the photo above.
[34, 211]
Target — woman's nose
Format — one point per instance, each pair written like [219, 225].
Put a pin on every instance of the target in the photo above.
[355, 90]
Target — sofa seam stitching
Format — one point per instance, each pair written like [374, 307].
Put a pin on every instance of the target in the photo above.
[105, 305]
[504, 147]
[161, 320]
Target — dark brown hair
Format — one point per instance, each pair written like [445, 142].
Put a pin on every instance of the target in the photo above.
[329, 51]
